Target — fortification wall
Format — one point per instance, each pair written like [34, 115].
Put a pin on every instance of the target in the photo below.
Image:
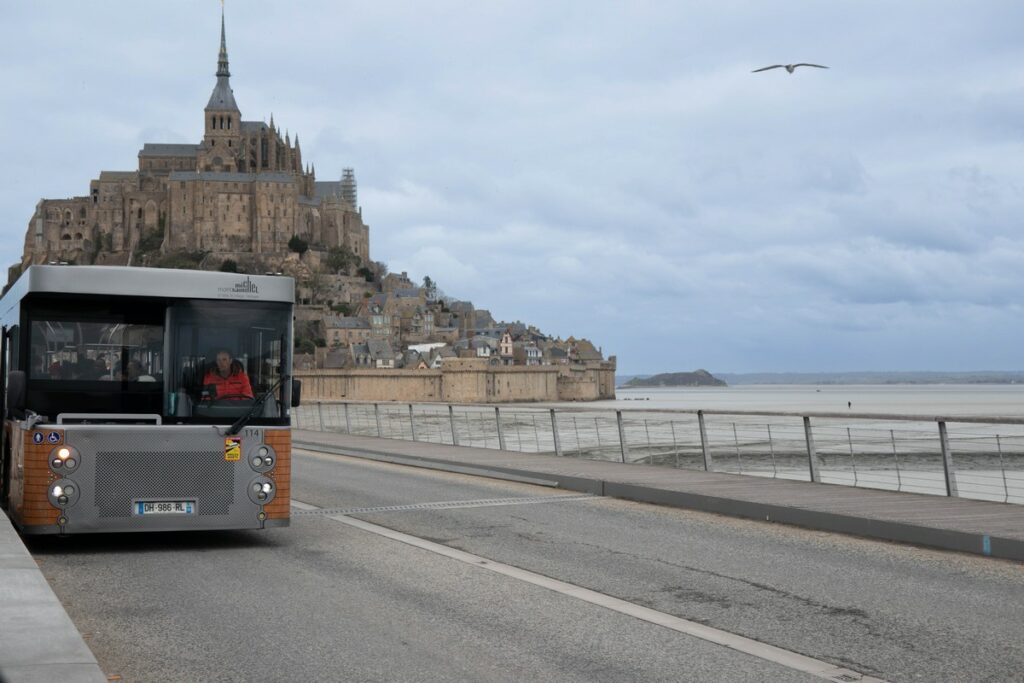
[466, 382]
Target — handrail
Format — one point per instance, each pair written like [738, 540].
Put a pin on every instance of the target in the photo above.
[981, 456]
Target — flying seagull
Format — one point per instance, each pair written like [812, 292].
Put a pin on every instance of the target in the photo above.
[788, 67]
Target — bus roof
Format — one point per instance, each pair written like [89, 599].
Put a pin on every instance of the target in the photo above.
[151, 282]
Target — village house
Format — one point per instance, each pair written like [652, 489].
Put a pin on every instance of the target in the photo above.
[526, 353]
[343, 331]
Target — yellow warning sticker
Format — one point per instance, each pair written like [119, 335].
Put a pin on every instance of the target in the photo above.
[233, 448]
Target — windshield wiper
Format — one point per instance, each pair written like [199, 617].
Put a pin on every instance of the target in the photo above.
[244, 420]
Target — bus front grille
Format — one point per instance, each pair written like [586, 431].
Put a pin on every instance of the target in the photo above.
[126, 476]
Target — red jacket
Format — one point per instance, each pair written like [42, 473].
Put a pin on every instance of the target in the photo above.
[236, 385]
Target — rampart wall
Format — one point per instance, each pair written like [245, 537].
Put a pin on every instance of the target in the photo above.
[461, 383]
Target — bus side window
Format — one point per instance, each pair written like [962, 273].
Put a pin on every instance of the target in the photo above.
[14, 346]
[15, 398]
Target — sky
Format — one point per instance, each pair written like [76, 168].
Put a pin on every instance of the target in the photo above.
[606, 170]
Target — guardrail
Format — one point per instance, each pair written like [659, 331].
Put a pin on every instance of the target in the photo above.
[971, 457]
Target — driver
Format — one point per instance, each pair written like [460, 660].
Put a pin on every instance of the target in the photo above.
[227, 380]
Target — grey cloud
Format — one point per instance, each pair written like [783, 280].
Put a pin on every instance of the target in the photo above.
[601, 170]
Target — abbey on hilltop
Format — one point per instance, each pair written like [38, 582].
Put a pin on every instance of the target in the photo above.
[241, 196]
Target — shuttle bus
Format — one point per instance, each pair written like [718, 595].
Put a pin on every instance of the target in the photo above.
[145, 399]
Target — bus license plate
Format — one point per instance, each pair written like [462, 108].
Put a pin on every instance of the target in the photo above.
[165, 507]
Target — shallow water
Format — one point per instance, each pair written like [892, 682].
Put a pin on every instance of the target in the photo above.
[1004, 400]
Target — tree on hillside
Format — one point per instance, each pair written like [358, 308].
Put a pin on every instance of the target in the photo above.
[317, 283]
[430, 287]
[341, 259]
[298, 245]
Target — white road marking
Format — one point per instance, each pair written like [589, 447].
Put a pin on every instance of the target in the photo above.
[451, 505]
[777, 655]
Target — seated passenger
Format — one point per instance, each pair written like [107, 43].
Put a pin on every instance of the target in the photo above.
[136, 373]
[227, 380]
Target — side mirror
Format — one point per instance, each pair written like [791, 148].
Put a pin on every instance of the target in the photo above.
[15, 400]
[296, 392]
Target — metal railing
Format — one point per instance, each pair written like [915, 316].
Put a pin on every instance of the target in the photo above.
[971, 457]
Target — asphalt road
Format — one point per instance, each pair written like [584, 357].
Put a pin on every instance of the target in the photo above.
[324, 601]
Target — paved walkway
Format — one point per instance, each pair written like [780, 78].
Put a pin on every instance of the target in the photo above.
[960, 524]
[38, 641]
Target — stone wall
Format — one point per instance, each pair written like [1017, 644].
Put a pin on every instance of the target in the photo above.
[464, 381]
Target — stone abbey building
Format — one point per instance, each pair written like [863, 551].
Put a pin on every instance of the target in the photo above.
[241, 193]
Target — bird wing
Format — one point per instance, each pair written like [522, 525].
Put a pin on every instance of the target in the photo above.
[765, 68]
[817, 66]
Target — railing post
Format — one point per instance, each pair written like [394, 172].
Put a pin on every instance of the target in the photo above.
[853, 460]
[451, 419]
[704, 441]
[947, 462]
[376, 415]
[675, 446]
[896, 458]
[498, 426]
[736, 440]
[348, 423]
[320, 414]
[812, 463]
[622, 435]
[554, 433]
[1002, 468]
[412, 423]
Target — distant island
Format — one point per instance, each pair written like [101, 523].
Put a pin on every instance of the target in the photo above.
[687, 379]
[875, 377]
[698, 378]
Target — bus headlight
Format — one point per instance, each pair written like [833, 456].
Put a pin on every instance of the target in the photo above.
[263, 459]
[63, 493]
[64, 459]
[262, 490]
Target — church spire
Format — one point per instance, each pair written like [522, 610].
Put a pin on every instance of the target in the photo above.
[222, 99]
[222, 58]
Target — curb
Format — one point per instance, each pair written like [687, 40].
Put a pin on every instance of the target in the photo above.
[38, 640]
[899, 532]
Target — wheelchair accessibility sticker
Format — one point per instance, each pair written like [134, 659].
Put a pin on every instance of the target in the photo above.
[233, 448]
[53, 437]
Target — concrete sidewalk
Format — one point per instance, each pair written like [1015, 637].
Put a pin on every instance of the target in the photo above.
[38, 641]
[960, 524]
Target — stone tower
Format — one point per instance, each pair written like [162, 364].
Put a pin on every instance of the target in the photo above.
[222, 123]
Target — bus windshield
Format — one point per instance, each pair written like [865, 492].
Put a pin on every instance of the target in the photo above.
[224, 358]
[159, 357]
